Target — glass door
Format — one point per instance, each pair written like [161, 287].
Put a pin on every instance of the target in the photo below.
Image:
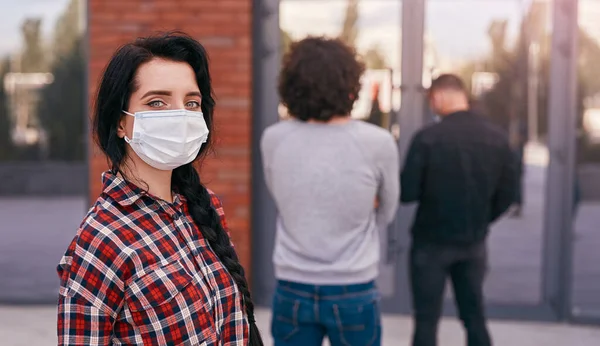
[501, 49]
[585, 233]
[373, 28]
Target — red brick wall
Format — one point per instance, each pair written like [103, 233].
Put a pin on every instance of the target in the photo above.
[224, 28]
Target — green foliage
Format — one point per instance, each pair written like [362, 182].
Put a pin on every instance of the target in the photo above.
[286, 41]
[33, 58]
[506, 103]
[374, 59]
[67, 31]
[62, 108]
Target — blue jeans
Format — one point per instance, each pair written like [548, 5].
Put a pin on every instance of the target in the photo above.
[304, 314]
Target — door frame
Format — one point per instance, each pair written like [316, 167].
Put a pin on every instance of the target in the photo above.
[266, 59]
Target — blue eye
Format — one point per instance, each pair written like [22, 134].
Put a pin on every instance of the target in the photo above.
[156, 104]
[192, 104]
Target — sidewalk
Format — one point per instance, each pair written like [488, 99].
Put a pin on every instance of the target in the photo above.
[35, 326]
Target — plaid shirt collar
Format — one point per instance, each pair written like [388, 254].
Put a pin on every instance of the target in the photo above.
[126, 193]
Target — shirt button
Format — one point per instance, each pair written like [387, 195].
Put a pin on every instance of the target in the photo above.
[176, 216]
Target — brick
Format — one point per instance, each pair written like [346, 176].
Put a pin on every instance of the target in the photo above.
[213, 41]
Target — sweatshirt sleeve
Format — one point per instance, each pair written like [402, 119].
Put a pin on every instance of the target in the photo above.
[389, 184]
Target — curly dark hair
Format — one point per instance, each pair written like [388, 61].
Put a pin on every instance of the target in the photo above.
[320, 79]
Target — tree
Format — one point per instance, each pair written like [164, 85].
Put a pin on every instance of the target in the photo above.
[374, 59]
[62, 108]
[589, 91]
[500, 57]
[67, 30]
[33, 58]
[498, 101]
[589, 55]
[349, 28]
[507, 102]
[286, 41]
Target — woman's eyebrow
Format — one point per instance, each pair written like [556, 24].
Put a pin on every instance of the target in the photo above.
[157, 92]
[194, 93]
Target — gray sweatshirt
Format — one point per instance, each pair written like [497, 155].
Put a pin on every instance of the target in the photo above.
[324, 179]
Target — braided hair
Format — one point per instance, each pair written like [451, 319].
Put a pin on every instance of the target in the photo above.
[117, 85]
[187, 182]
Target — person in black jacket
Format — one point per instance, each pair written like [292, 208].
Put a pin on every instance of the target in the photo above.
[464, 176]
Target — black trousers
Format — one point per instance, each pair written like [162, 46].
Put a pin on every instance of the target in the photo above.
[430, 266]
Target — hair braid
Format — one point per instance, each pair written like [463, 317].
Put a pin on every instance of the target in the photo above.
[187, 182]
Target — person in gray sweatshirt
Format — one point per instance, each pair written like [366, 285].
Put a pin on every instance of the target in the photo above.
[335, 182]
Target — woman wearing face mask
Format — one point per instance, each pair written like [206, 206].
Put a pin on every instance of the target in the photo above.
[152, 263]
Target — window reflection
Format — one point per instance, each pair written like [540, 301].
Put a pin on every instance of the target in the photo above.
[501, 50]
[43, 169]
[373, 28]
[586, 272]
[42, 70]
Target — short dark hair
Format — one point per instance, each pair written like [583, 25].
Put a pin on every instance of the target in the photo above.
[447, 82]
[320, 79]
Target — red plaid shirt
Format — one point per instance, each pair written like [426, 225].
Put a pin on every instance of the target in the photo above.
[139, 272]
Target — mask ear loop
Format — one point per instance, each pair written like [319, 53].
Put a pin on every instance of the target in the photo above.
[127, 139]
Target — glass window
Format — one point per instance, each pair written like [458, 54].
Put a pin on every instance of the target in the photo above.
[373, 28]
[501, 50]
[586, 234]
[43, 142]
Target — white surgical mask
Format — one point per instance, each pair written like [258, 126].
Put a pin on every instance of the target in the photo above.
[168, 139]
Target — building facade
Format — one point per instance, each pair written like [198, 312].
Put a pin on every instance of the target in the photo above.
[530, 65]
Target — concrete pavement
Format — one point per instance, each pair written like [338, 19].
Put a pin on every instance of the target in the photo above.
[35, 326]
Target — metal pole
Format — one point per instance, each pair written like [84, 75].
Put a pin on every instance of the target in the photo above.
[562, 107]
[533, 29]
[266, 62]
[411, 120]
[532, 93]
[411, 112]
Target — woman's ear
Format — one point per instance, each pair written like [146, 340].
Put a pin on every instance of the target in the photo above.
[121, 132]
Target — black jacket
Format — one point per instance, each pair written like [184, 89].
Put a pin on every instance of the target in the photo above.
[463, 173]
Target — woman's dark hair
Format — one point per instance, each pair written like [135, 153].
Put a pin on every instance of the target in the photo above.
[320, 79]
[116, 87]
